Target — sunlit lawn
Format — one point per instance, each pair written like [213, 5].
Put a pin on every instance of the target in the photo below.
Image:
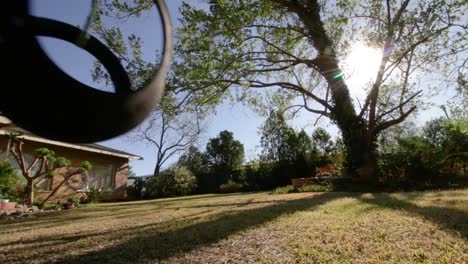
[423, 227]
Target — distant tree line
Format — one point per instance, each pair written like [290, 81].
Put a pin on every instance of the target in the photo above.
[285, 154]
[408, 158]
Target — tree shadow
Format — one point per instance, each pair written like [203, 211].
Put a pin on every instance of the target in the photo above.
[53, 247]
[153, 244]
[448, 218]
[171, 200]
[53, 218]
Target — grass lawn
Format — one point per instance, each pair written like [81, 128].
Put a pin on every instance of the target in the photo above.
[415, 227]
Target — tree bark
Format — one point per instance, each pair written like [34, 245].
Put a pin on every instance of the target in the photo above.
[30, 192]
[361, 155]
[54, 191]
[157, 169]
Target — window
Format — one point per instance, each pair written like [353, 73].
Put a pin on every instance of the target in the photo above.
[100, 177]
[43, 183]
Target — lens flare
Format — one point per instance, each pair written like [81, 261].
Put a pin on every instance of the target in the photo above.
[361, 66]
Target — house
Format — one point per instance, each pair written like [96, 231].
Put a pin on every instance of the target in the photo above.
[109, 166]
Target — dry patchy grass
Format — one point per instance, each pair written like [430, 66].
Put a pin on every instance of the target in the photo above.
[416, 227]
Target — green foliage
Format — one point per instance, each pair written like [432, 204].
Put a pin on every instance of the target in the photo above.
[280, 142]
[229, 49]
[194, 160]
[435, 157]
[177, 125]
[277, 139]
[106, 195]
[9, 181]
[282, 146]
[74, 200]
[252, 176]
[284, 190]
[35, 169]
[86, 165]
[303, 188]
[57, 162]
[263, 177]
[230, 187]
[451, 136]
[305, 147]
[93, 195]
[48, 206]
[314, 188]
[322, 140]
[51, 174]
[177, 181]
[224, 152]
[416, 161]
[60, 162]
[268, 176]
[37, 203]
[44, 152]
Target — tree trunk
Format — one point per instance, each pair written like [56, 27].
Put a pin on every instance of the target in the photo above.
[54, 191]
[361, 154]
[157, 169]
[30, 192]
[7, 150]
[360, 144]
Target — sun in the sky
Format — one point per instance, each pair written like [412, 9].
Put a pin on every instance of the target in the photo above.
[360, 67]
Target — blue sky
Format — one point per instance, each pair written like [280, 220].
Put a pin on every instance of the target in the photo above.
[236, 118]
[77, 63]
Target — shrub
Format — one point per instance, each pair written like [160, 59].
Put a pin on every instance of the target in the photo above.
[135, 191]
[314, 188]
[173, 182]
[284, 190]
[106, 195]
[253, 177]
[416, 163]
[75, 200]
[230, 187]
[432, 159]
[303, 188]
[263, 176]
[392, 169]
[9, 181]
[51, 206]
[93, 195]
[48, 206]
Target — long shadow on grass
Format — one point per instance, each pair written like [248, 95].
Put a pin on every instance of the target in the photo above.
[37, 241]
[153, 245]
[171, 200]
[46, 248]
[451, 219]
[51, 219]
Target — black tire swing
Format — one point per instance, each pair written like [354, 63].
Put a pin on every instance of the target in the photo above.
[38, 96]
